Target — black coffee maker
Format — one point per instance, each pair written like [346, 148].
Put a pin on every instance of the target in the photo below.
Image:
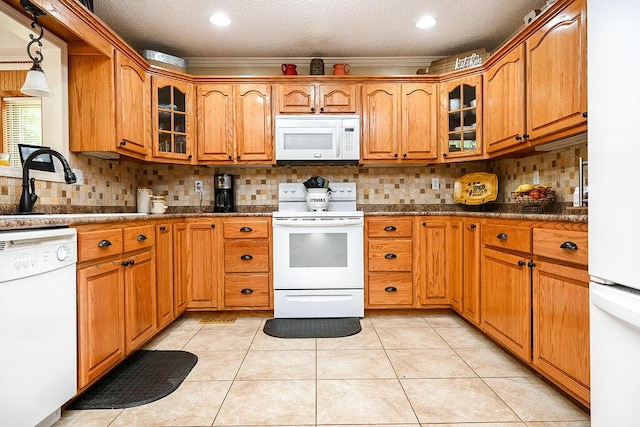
[223, 193]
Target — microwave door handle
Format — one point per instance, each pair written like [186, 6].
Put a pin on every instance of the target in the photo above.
[341, 223]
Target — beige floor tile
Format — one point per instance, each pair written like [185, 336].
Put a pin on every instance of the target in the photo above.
[354, 364]
[445, 321]
[263, 341]
[174, 339]
[289, 402]
[463, 337]
[559, 424]
[366, 339]
[221, 340]
[88, 418]
[533, 400]
[404, 338]
[399, 321]
[216, 365]
[518, 424]
[369, 425]
[192, 404]
[429, 363]
[492, 362]
[278, 365]
[453, 400]
[363, 402]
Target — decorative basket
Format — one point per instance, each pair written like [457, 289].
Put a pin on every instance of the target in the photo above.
[534, 204]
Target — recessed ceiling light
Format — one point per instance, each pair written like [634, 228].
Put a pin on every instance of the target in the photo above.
[220, 19]
[426, 22]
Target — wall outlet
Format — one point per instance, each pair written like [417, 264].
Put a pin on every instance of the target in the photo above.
[198, 186]
[536, 177]
[435, 183]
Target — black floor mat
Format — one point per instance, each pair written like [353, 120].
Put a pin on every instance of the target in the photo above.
[312, 328]
[144, 377]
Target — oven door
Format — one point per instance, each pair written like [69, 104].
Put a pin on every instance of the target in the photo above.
[317, 253]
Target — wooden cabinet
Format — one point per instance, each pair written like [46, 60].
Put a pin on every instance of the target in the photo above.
[537, 92]
[456, 258]
[180, 268]
[433, 270]
[389, 255]
[204, 245]
[173, 130]
[247, 263]
[399, 122]
[471, 251]
[313, 98]
[164, 274]
[140, 299]
[234, 123]
[461, 118]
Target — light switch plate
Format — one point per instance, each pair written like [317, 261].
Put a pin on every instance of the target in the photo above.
[536, 177]
[435, 183]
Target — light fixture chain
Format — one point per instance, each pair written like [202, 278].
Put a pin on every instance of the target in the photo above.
[38, 57]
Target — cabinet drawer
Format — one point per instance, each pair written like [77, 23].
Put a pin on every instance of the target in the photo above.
[246, 290]
[507, 236]
[390, 227]
[390, 255]
[245, 256]
[247, 229]
[99, 244]
[565, 245]
[390, 289]
[139, 237]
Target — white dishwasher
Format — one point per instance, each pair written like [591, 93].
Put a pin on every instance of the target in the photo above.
[37, 324]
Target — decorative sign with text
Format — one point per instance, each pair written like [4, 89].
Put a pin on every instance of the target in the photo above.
[459, 62]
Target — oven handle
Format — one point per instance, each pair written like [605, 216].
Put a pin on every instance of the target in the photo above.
[304, 224]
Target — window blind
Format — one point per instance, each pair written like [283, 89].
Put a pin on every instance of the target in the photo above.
[21, 124]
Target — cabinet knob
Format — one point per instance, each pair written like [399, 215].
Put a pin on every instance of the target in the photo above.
[238, 157]
[473, 226]
[391, 289]
[321, 109]
[141, 238]
[424, 223]
[132, 262]
[444, 154]
[518, 137]
[104, 243]
[569, 246]
[163, 228]
[124, 263]
[246, 229]
[246, 257]
[395, 156]
[390, 228]
[525, 136]
[213, 226]
[404, 155]
[391, 256]
[189, 157]
[521, 263]
[123, 143]
[230, 157]
[502, 236]
[584, 114]
[246, 291]
[531, 264]
[313, 109]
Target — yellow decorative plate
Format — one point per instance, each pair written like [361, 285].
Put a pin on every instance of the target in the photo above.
[476, 188]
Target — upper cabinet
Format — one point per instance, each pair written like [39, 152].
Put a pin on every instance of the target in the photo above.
[234, 123]
[399, 122]
[318, 98]
[461, 118]
[172, 105]
[536, 92]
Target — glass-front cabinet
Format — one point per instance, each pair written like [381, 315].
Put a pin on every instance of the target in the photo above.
[172, 119]
[461, 132]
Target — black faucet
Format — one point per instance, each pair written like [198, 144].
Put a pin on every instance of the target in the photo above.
[29, 197]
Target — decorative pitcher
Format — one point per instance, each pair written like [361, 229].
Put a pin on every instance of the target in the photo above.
[289, 69]
[341, 69]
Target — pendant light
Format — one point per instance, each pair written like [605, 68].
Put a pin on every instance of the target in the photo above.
[36, 83]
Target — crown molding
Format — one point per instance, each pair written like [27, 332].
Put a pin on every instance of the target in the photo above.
[381, 61]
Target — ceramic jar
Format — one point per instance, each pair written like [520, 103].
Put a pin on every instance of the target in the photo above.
[317, 67]
[158, 204]
[143, 199]
[318, 199]
[341, 69]
[289, 69]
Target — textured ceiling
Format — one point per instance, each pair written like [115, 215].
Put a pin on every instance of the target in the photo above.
[307, 28]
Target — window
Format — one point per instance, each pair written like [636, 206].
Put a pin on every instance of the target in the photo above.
[22, 124]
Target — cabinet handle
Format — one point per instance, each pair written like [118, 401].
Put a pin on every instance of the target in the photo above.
[132, 262]
[321, 109]
[141, 238]
[391, 256]
[424, 223]
[404, 155]
[163, 228]
[584, 114]
[123, 143]
[395, 156]
[238, 157]
[525, 136]
[521, 263]
[189, 157]
[104, 243]
[569, 245]
[502, 236]
[246, 291]
[389, 228]
[444, 154]
[518, 137]
[246, 257]
[473, 226]
[124, 263]
[391, 289]
[230, 157]
[246, 229]
[531, 264]
[213, 226]
[313, 109]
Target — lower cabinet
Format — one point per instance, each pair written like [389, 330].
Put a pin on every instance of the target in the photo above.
[433, 267]
[171, 269]
[471, 270]
[140, 299]
[180, 268]
[204, 261]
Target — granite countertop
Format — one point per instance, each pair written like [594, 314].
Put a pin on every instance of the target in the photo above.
[13, 222]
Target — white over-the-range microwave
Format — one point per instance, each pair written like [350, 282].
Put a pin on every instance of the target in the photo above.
[314, 138]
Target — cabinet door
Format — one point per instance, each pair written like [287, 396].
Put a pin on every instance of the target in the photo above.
[164, 274]
[205, 278]
[338, 98]
[140, 299]
[133, 107]
[506, 300]
[504, 102]
[215, 117]
[172, 119]
[380, 118]
[561, 325]
[471, 268]
[455, 260]
[100, 320]
[296, 98]
[433, 274]
[254, 141]
[180, 269]
[419, 122]
[557, 73]
[461, 119]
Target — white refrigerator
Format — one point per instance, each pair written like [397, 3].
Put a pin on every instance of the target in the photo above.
[614, 214]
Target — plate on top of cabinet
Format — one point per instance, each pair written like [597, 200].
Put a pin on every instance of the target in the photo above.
[476, 188]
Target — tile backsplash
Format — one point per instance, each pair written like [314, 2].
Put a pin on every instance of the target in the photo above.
[111, 184]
